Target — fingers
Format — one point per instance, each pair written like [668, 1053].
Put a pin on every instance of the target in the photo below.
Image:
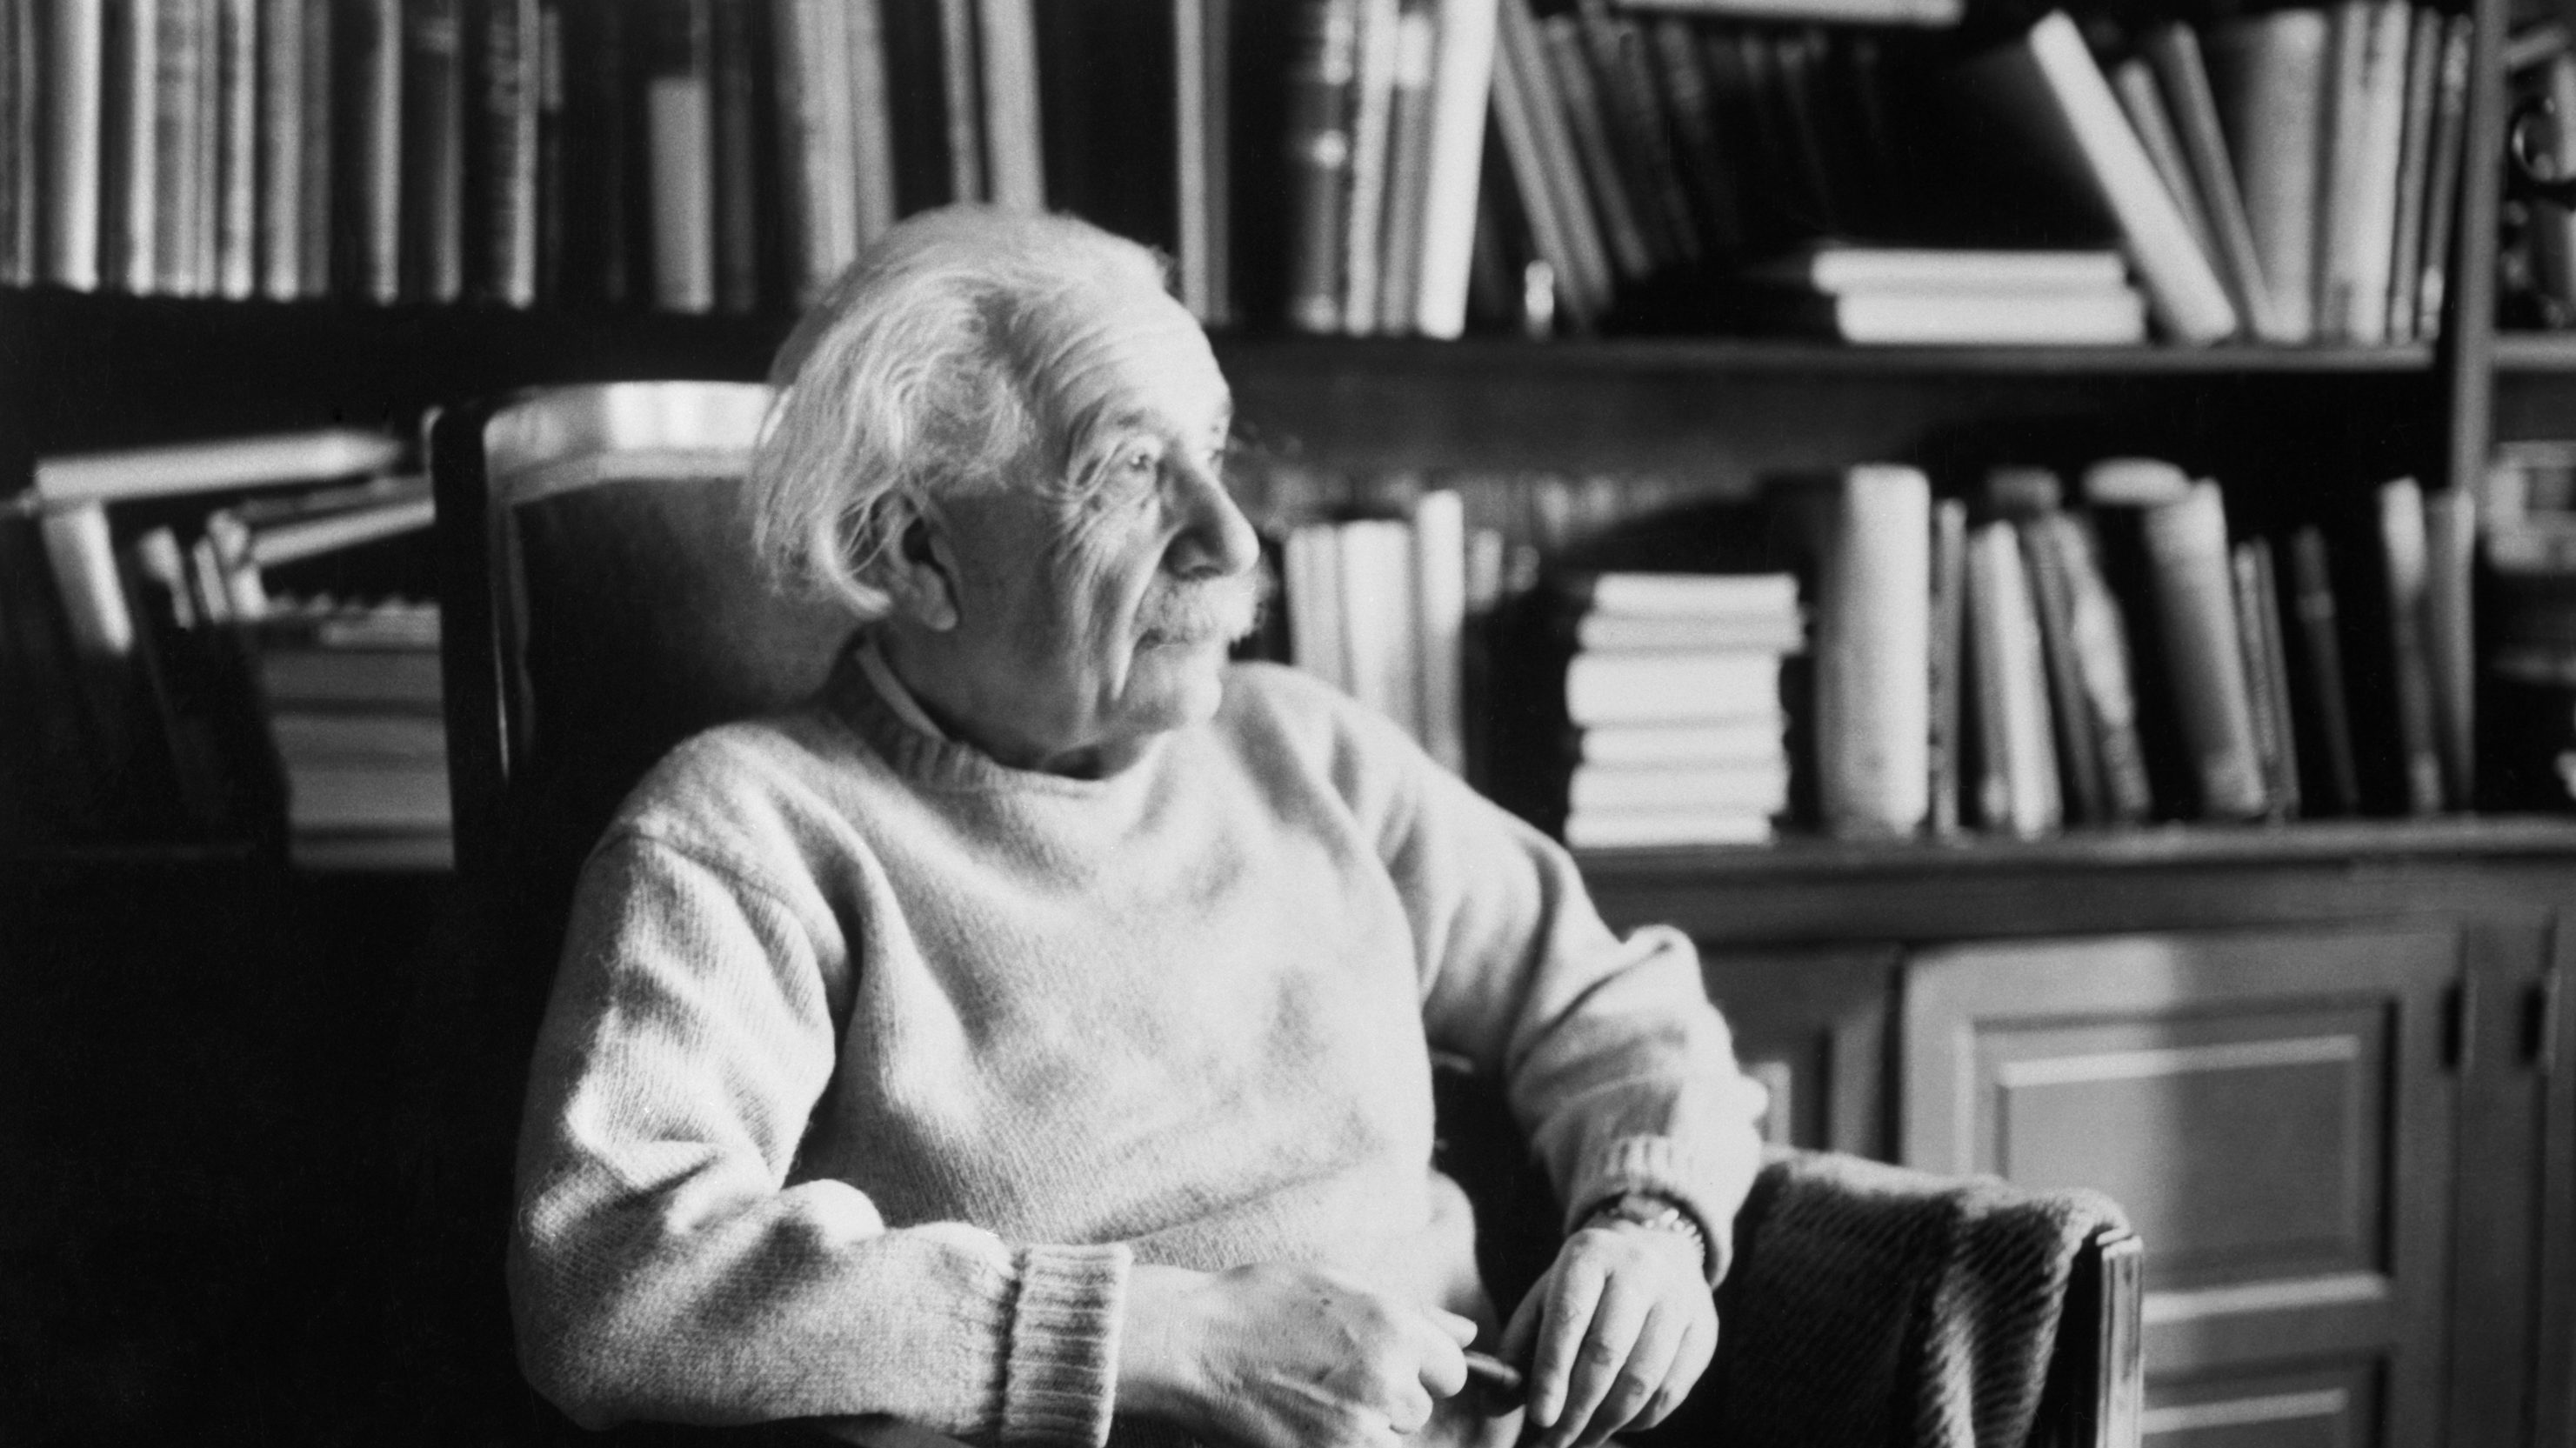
[1443, 1372]
[1698, 1347]
[1640, 1379]
[1601, 1360]
[1565, 1298]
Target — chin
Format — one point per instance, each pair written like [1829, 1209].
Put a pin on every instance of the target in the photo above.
[1180, 684]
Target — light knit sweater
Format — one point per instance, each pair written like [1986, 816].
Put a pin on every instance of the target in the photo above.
[872, 1064]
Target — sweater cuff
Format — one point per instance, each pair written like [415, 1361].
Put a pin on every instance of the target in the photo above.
[1662, 1166]
[1058, 1385]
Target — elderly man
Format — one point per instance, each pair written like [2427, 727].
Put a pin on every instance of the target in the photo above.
[1033, 1033]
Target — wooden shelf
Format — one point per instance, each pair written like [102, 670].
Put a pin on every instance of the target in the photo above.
[2535, 352]
[2178, 844]
[1760, 356]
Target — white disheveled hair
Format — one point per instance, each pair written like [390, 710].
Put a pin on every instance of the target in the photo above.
[926, 368]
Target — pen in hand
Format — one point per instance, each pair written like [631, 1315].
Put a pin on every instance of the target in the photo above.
[1494, 1387]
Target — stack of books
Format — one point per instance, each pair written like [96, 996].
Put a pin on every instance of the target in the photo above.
[1958, 297]
[1377, 607]
[1673, 695]
[156, 590]
[2529, 523]
[353, 703]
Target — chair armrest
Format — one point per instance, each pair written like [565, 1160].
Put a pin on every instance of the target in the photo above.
[2097, 1375]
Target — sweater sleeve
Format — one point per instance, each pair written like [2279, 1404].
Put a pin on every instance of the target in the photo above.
[1618, 1068]
[663, 1266]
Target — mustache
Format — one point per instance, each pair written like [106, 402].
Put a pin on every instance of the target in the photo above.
[1226, 608]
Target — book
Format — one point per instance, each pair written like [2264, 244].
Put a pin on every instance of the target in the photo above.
[22, 77]
[2017, 784]
[1322, 71]
[2358, 259]
[2187, 549]
[1952, 317]
[171, 470]
[2450, 636]
[1946, 654]
[2320, 635]
[2270, 728]
[738, 54]
[1604, 632]
[2267, 75]
[331, 734]
[2264, 587]
[1639, 127]
[1760, 598]
[1872, 704]
[73, 140]
[2442, 181]
[679, 143]
[236, 272]
[1635, 251]
[1006, 40]
[1380, 639]
[2046, 88]
[282, 77]
[1439, 573]
[368, 186]
[1462, 83]
[2414, 173]
[293, 541]
[501, 258]
[333, 796]
[2133, 81]
[819, 174]
[1597, 787]
[1372, 116]
[1546, 175]
[2405, 560]
[962, 73]
[1313, 567]
[1841, 267]
[1856, 12]
[1669, 688]
[1708, 168]
[432, 147]
[297, 671]
[1752, 740]
[604, 160]
[1409, 133]
[2183, 73]
[1648, 829]
[2084, 792]
[1202, 105]
[2098, 632]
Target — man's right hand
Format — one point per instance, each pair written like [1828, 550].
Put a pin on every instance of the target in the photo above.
[1284, 1357]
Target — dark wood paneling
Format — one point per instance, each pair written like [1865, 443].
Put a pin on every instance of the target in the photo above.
[2554, 1049]
[2497, 1268]
[1812, 1025]
[2272, 1107]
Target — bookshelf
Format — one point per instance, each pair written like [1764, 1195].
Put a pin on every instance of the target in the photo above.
[1815, 945]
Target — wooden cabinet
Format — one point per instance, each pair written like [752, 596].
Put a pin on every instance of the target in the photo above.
[2322, 1069]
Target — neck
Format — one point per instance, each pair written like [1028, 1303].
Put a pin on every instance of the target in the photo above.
[1006, 731]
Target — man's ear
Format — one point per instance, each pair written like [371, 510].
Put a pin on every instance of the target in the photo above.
[918, 570]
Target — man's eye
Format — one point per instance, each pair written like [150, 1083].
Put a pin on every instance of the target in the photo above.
[1141, 460]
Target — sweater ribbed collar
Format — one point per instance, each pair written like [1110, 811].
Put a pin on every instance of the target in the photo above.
[938, 762]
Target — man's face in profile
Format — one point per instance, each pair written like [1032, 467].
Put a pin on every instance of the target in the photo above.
[1103, 600]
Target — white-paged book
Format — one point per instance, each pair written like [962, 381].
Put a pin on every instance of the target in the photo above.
[1694, 595]
[199, 467]
[1650, 829]
[1649, 688]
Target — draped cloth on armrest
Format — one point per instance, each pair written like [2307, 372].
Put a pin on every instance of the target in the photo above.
[1876, 1305]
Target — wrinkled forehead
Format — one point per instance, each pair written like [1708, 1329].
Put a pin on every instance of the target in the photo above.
[1136, 358]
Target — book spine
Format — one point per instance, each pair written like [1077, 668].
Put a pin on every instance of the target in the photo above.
[2321, 634]
[2134, 83]
[2414, 171]
[1461, 87]
[2271, 727]
[2365, 280]
[2405, 560]
[378, 154]
[314, 152]
[507, 86]
[2442, 186]
[1582, 274]
[679, 146]
[281, 160]
[433, 151]
[237, 232]
[2083, 790]
[1015, 151]
[2346, 136]
[1625, 82]
[2020, 792]
[177, 114]
[2101, 647]
[2450, 636]
[1873, 710]
[961, 69]
[2184, 71]
[21, 140]
[872, 156]
[1409, 125]
[2287, 792]
[1708, 168]
[139, 222]
[1372, 114]
[731, 152]
[1947, 652]
[1440, 604]
[1320, 78]
[1202, 46]
[74, 128]
[2268, 75]
[2195, 597]
[1599, 171]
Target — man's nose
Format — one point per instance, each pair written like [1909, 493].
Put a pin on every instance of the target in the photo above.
[1215, 539]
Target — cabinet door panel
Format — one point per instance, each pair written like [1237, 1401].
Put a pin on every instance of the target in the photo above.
[1812, 1026]
[2272, 1107]
[2315, 1408]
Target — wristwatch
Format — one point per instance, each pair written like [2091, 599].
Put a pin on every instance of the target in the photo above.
[1645, 1209]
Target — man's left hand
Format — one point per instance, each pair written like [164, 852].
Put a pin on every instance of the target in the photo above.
[1615, 1333]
